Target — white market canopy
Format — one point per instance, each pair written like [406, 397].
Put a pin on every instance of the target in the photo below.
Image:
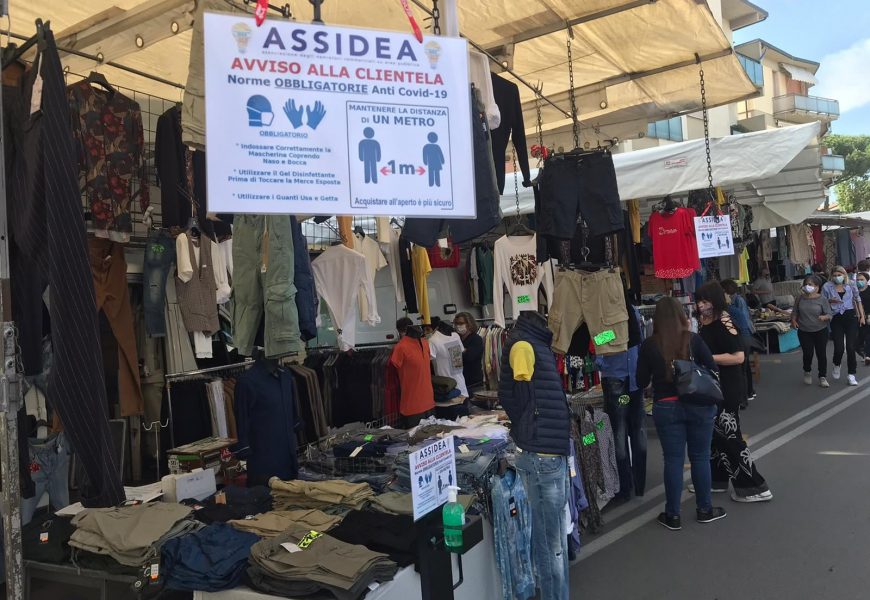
[634, 61]
[777, 172]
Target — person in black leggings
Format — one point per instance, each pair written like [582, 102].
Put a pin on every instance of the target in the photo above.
[811, 316]
[848, 315]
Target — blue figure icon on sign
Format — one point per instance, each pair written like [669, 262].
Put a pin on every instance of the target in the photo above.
[259, 111]
[433, 158]
[370, 155]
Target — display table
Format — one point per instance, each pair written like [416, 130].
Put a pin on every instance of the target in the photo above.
[774, 339]
[481, 579]
[109, 587]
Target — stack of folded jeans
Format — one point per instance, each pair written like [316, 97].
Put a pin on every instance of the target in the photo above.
[328, 496]
[46, 539]
[210, 560]
[394, 535]
[130, 535]
[377, 480]
[273, 523]
[300, 562]
[237, 503]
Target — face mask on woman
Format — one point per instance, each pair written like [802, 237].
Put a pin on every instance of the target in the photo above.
[461, 329]
[810, 289]
[705, 311]
[861, 284]
[839, 279]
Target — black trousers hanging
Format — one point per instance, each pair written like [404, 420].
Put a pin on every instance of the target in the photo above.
[47, 228]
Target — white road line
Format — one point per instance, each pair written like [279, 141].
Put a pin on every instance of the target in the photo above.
[646, 517]
[654, 494]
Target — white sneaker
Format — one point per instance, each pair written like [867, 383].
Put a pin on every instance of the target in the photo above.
[808, 378]
[836, 372]
[691, 489]
[852, 380]
[765, 496]
[823, 382]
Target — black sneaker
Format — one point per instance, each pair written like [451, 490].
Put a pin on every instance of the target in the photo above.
[714, 514]
[671, 522]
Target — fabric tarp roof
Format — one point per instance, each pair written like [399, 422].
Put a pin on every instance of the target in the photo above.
[776, 172]
[639, 59]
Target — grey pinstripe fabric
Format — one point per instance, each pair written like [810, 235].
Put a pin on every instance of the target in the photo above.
[47, 227]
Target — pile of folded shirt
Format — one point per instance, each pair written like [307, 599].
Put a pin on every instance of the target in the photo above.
[209, 560]
[394, 535]
[401, 503]
[46, 539]
[273, 523]
[127, 536]
[235, 503]
[332, 497]
[301, 562]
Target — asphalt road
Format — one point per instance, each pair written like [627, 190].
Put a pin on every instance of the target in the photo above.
[811, 542]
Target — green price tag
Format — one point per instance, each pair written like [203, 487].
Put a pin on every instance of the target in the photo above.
[483, 440]
[524, 299]
[589, 439]
[309, 537]
[604, 337]
[624, 400]
[369, 437]
[599, 425]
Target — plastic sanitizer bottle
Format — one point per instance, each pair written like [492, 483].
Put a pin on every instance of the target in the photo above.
[453, 515]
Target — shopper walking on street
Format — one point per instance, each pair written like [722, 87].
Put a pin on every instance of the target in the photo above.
[811, 316]
[848, 317]
[863, 283]
[679, 425]
[739, 311]
[731, 459]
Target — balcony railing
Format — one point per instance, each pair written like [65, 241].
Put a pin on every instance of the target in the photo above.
[833, 163]
[794, 107]
[668, 129]
[753, 68]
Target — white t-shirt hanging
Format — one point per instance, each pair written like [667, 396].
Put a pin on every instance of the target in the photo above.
[516, 268]
[447, 353]
[375, 261]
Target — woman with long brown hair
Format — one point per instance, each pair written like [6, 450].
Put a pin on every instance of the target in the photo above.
[679, 425]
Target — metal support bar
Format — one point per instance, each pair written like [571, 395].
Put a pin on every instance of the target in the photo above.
[109, 63]
[513, 73]
[560, 25]
[316, 4]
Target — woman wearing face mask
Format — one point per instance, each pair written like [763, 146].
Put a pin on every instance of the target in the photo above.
[730, 457]
[472, 358]
[863, 283]
[848, 316]
[811, 315]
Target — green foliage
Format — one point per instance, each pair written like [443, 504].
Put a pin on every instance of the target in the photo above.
[853, 188]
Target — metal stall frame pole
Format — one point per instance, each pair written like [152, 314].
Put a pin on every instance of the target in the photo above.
[10, 402]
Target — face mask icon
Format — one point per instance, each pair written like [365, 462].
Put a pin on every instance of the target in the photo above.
[259, 111]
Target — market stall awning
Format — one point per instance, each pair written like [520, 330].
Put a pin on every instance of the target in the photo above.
[776, 169]
[634, 60]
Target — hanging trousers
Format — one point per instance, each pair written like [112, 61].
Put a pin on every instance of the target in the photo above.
[46, 223]
[109, 270]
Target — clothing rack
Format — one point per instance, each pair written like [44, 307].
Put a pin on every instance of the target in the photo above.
[368, 346]
[194, 376]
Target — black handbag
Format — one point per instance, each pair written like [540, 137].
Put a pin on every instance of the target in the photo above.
[696, 384]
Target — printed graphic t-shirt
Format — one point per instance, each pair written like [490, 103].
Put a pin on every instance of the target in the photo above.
[675, 249]
[447, 354]
[516, 268]
[411, 358]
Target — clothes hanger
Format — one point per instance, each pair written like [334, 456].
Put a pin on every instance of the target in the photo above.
[358, 230]
[97, 78]
[38, 38]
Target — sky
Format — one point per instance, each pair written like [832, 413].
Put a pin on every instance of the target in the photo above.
[835, 33]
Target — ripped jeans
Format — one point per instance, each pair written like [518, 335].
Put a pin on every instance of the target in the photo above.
[546, 481]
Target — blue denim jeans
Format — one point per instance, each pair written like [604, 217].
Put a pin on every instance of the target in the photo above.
[627, 419]
[680, 425]
[546, 481]
[159, 256]
[49, 460]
